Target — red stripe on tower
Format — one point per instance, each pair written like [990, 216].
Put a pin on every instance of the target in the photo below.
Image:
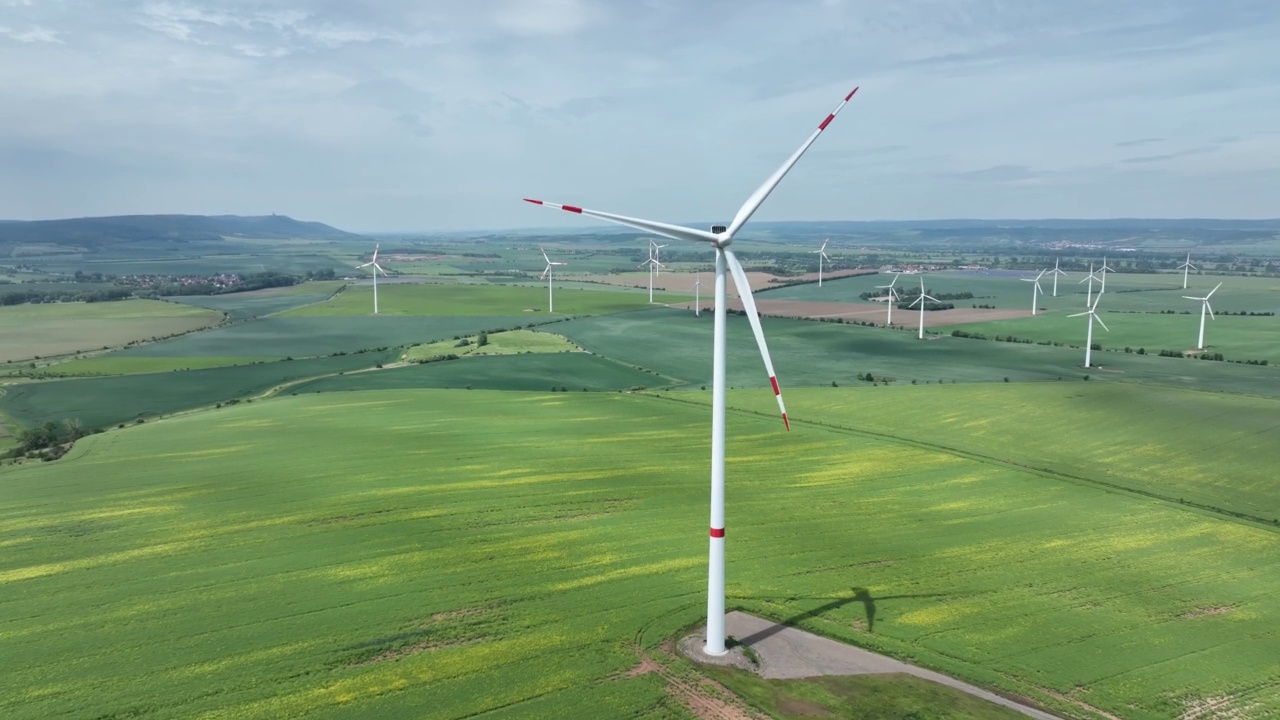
[774, 380]
[717, 532]
[850, 95]
[571, 208]
[786, 422]
[827, 122]
[535, 202]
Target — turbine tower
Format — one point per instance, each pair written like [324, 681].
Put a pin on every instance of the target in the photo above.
[1204, 307]
[376, 269]
[822, 255]
[652, 262]
[720, 237]
[1093, 315]
[551, 300]
[893, 297]
[1056, 273]
[1088, 300]
[1035, 290]
[697, 296]
[921, 300]
[1185, 268]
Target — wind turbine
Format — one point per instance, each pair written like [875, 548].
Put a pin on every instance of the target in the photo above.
[822, 255]
[893, 297]
[697, 296]
[1088, 300]
[1203, 308]
[376, 269]
[720, 237]
[657, 269]
[1035, 290]
[1092, 312]
[652, 262]
[1056, 272]
[921, 300]
[1185, 268]
[1104, 270]
[551, 303]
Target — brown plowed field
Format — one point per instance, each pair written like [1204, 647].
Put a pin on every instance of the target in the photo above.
[867, 312]
[683, 282]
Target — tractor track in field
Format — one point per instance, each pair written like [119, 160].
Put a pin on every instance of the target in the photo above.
[1232, 515]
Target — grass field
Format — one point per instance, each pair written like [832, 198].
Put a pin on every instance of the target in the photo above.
[444, 554]
[291, 336]
[106, 401]
[257, 303]
[115, 364]
[1211, 449]
[1237, 338]
[512, 342]
[574, 371]
[30, 331]
[464, 300]
[678, 345]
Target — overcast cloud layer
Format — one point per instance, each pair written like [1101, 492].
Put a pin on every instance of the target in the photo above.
[442, 115]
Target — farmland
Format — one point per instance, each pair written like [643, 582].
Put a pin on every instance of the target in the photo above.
[417, 554]
[454, 300]
[39, 331]
[511, 342]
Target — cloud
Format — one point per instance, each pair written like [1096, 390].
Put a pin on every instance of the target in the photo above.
[1201, 150]
[1139, 141]
[999, 174]
[31, 35]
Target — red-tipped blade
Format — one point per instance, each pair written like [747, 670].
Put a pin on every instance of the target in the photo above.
[749, 305]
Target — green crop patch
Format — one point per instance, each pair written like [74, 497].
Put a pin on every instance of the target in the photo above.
[437, 299]
[39, 331]
[440, 554]
[258, 303]
[574, 372]
[511, 342]
[115, 364]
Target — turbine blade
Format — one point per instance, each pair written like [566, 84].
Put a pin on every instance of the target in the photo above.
[675, 232]
[1209, 307]
[749, 304]
[1086, 312]
[749, 207]
[1214, 290]
[375, 252]
[544, 255]
[1104, 325]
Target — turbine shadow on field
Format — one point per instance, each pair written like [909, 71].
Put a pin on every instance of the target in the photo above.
[858, 594]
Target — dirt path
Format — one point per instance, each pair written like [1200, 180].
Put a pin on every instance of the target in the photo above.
[787, 652]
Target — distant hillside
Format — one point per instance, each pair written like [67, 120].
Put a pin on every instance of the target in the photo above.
[104, 232]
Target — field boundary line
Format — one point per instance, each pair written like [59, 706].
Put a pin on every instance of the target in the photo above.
[1231, 515]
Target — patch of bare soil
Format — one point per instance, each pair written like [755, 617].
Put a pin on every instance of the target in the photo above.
[704, 698]
[1206, 612]
[867, 312]
[419, 647]
[682, 282]
[803, 708]
[1220, 707]
[1080, 704]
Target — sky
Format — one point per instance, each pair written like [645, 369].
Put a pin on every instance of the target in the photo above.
[437, 115]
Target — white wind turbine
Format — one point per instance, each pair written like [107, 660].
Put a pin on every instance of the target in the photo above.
[652, 262]
[376, 269]
[697, 296]
[921, 300]
[1104, 270]
[551, 300]
[720, 237]
[1186, 267]
[657, 250]
[1204, 308]
[893, 297]
[822, 255]
[1088, 300]
[1092, 312]
[1035, 290]
[1056, 272]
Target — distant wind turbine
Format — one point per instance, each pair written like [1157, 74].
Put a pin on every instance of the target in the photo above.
[697, 296]
[547, 274]
[921, 300]
[1203, 309]
[1185, 268]
[893, 297]
[1056, 273]
[1035, 290]
[1088, 300]
[822, 255]
[1093, 315]
[652, 262]
[376, 269]
[1104, 270]
[657, 269]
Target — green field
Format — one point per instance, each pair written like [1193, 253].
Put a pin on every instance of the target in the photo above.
[445, 554]
[117, 364]
[39, 331]
[106, 401]
[465, 300]
[678, 345]
[575, 372]
[1237, 338]
[512, 342]
[290, 336]
[257, 303]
